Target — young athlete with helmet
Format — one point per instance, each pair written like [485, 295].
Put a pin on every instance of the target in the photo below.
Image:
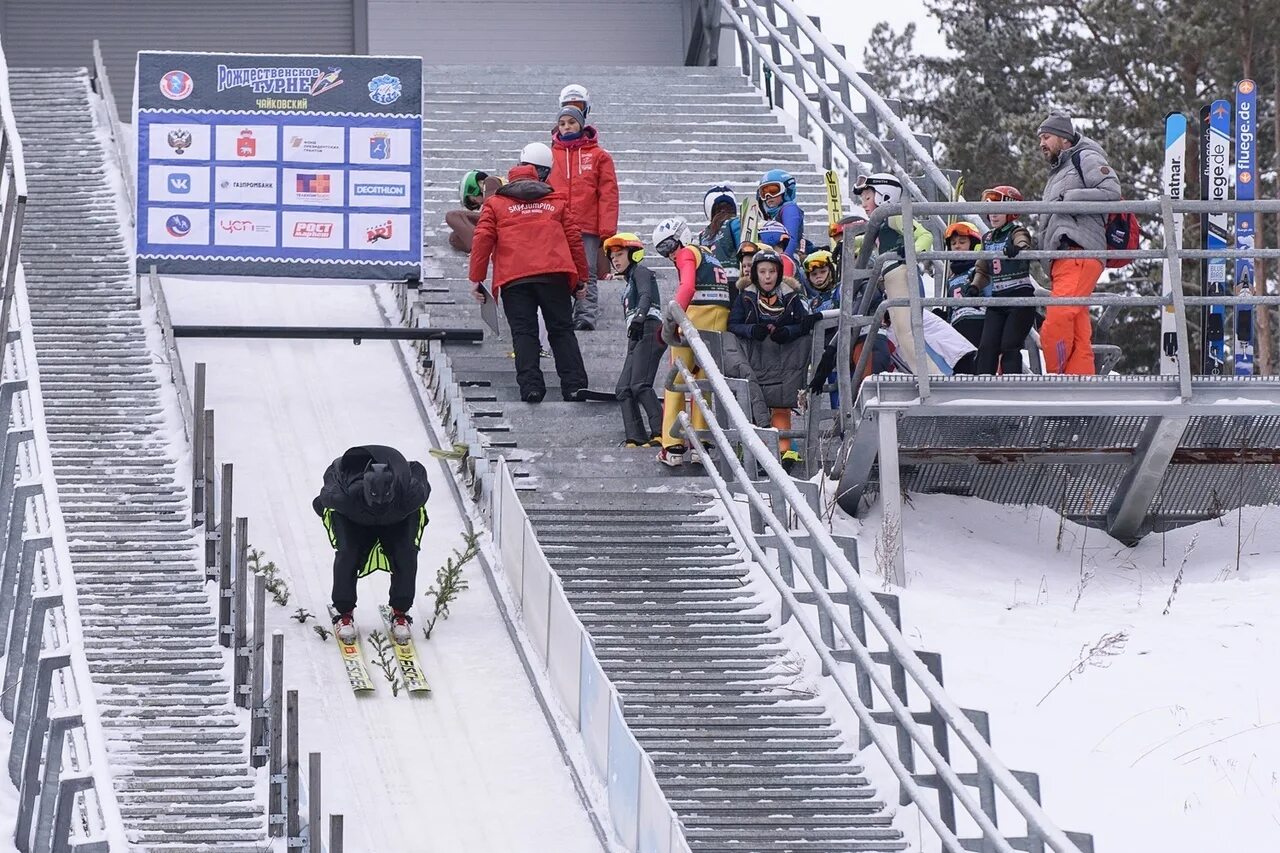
[703, 294]
[642, 314]
[1005, 329]
[776, 198]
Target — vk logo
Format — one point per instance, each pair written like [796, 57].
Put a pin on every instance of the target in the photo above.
[179, 183]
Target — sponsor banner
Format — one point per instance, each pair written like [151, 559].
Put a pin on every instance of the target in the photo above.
[239, 227]
[308, 230]
[305, 144]
[245, 185]
[381, 146]
[245, 142]
[313, 187]
[178, 184]
[178, 226]
[185, 141]
[379, 189]
[275, 165]
[378, 232]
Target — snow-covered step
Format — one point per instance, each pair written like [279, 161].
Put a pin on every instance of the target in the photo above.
[177, 747]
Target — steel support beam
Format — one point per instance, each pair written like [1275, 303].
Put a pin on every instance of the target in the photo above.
[1138, 489]
[354, 333]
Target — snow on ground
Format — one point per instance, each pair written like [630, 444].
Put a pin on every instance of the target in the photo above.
[1172, 743]
[471, 768]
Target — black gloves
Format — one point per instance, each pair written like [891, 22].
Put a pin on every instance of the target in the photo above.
[808, 322]
[636, 331]
[759, 331]
[783, 334]
[1011, 249]
[971, 290]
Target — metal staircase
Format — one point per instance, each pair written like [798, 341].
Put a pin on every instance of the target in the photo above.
[175, 743]
[649, 565]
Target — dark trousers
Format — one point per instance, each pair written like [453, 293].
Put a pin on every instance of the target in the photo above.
[354, 542]
[1003, 333]
[635, 384]
[521, 301]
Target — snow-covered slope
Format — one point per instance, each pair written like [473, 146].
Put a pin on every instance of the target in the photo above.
[471, 768]
[1170, 743]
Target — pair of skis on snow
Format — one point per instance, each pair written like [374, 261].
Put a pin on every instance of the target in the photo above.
[415, 681]
[1215, 163]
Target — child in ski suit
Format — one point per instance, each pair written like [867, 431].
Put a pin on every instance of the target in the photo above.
[642, 313]
[724, 230]
[965, 319]
[773, 325]
[776, 198]
[1005, 329]
[373, 503]
[476, 187]
[703, 294]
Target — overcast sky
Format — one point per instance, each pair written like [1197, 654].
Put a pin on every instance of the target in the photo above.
[849, 22]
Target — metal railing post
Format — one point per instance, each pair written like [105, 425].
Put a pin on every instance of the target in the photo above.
[24, 764]
[210, 500]
[69, 786]
[916, 331]
[275, 800]
[239, 611]
[10, 568]
[21, 620]
[59, 724]
[225, 543]
[293, 819]
[315, 832]
[335, 833]
[197, 449]
[257, 707]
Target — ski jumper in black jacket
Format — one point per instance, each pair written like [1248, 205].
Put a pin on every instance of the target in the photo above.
[373, 503]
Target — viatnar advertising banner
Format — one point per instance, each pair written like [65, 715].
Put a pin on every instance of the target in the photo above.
[260, 165]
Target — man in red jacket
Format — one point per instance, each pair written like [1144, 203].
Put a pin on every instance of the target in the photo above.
[584, 172]
[538, 263]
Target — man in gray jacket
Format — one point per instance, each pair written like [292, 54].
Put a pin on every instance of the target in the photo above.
[1078, 171]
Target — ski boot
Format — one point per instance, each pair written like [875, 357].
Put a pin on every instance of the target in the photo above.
[672, 456]
[344, 626]
[401, 627]
[704, 455]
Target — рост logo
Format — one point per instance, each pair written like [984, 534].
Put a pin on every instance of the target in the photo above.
[176, 85]
[179, 140]
[378, 232]
[177, 225]
[379, 146]
[179, 183]
[385, 89]
[321, 230]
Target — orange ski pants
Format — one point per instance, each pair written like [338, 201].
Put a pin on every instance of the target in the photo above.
[1066, 336]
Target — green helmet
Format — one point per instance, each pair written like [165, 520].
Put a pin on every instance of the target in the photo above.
[472, 184]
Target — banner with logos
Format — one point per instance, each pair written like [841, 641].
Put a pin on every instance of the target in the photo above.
[259, 165]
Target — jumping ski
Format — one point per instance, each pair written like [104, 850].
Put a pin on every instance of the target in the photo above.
[1215, 181]
[1174, 182]
[353, 662]
[835, 207]
[749, 214]
[414, 679]
[1246, 132]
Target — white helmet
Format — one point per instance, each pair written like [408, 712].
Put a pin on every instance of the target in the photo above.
[537, 154]
[717, 194]
[887, 188]
[673, 227]
[576, 92]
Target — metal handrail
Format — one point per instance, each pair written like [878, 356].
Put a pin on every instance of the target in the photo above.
[14, 199]
[904, 656]
[103, 89]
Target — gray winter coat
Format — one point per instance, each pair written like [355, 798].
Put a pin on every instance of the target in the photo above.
[1064, 184]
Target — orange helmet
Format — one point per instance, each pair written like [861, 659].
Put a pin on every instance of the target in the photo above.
[964, 229]
[626, 240]
[1004, 192]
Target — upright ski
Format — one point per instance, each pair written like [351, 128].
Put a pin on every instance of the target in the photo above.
[749, 216]
[1173, 182]
[353, 662]
[415, 681]
[1246, 151]
[1217, 231]
[835, 207]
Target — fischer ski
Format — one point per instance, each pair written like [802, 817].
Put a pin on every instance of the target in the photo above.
[1174, 183]
[835, 207]
[1246, 152]
[1216, 231]
[414, 679]
[353, 662]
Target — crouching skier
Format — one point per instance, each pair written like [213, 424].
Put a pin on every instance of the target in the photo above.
[373, 503]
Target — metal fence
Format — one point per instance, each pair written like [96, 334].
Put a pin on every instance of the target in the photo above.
[57, 752]
[888, 676]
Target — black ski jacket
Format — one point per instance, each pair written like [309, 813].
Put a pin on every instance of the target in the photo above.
[343, 490]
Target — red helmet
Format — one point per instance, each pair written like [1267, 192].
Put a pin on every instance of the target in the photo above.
[1004, 192]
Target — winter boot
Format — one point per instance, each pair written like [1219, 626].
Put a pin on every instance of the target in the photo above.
[401, 626]
[672, 456]
[344, 626]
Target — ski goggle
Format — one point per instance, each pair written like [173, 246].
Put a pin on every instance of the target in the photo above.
[747, 249]
[993, 195]
[667, 246]
[771, 189]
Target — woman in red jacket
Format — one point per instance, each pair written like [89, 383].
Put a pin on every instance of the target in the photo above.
[526, 229]
[584, 172]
